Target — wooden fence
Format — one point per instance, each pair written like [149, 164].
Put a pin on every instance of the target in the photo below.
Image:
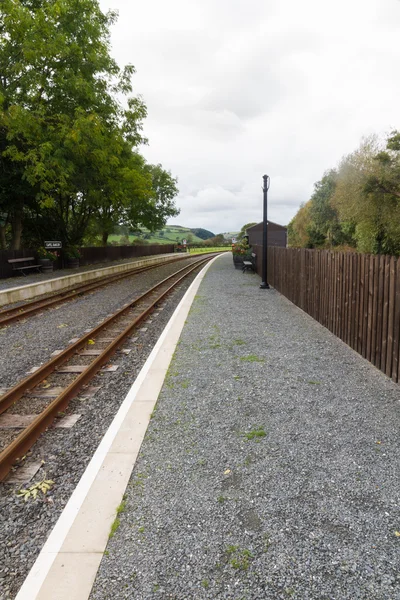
[356, 296]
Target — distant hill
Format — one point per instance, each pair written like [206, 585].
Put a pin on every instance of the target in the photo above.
[204, 234]
[231, 234]
[169, 234]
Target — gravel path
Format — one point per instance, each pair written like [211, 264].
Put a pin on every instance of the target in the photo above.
[65, 453]
[270, 467]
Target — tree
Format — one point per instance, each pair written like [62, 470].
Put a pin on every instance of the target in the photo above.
[299, 227]
[366, 195]
[60, 117]
[242, 232]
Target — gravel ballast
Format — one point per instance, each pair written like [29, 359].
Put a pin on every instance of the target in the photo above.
[24, 526]
[270, 466]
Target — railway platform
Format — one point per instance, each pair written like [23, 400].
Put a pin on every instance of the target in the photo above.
[19, 288]
[255, 457]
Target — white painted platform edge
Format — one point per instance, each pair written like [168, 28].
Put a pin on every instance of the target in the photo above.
[30, 290]
[40, 569]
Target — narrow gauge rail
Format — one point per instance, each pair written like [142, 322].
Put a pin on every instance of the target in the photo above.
[10, 315]
[125, 319]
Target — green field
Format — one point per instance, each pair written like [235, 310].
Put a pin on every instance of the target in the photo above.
[216, 249]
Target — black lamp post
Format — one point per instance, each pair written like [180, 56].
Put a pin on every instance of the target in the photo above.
[264, 283]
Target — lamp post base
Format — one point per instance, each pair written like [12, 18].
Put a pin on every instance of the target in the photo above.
[264, 286]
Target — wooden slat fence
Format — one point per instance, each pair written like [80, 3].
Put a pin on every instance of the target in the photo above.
[355, 296]
[89, 255]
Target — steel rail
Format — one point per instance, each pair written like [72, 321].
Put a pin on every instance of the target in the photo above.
[25, 440]
[11, 315]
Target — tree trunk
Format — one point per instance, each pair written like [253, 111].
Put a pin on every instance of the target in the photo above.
[16, 225]
[104, 238]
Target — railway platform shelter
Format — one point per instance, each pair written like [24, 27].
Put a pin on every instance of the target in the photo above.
[256, 456]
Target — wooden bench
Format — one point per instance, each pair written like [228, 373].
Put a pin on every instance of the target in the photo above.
[23, 264]
[250, 265]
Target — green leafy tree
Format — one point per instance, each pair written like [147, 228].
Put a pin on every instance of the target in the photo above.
[60, 116]
[244, 229]
[299, 228]
[366, 195]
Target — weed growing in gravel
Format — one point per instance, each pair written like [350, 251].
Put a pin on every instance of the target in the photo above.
[114, 527]
[238, 342]
[221, 499]
[139, 481]
[267, 542]
[252, 358]
[315, 382]
[239, 558]
[117, 522]
[256, 433]
[196, 347]
[236, 377]
[205, 583]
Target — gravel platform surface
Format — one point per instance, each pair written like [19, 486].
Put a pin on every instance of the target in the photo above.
[24, 526]
[270, 469]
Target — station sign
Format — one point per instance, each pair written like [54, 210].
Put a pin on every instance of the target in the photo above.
[53, 245]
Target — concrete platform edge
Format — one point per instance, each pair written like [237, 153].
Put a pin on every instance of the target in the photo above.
[105, 466]
[30, 290]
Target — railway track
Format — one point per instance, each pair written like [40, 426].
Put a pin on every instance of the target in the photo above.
[93, 350]
[11, 315]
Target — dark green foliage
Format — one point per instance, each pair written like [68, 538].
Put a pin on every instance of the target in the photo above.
[68, 162]
[357, 205]
[204, 234]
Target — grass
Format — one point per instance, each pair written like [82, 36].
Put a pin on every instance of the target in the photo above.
[239, 558]
[116, 523]
[252, 358]
[212, 249]
[256, 433]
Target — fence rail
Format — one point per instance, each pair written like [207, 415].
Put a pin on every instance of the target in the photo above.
[355, 296]
[89, 256]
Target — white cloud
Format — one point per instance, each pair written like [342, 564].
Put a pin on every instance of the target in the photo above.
[238, 88]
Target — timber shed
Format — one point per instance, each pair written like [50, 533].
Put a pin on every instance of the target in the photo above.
[277, 235]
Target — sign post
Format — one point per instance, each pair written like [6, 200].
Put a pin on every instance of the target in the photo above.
[53, 245]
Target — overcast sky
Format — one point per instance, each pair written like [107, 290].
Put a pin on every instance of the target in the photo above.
[240, 88]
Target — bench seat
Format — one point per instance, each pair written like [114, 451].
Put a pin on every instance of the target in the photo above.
[250, 265]
[22, 264]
